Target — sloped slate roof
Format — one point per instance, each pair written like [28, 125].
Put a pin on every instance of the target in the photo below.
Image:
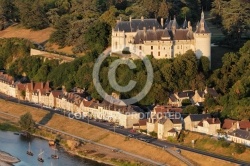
[199, 117]
[137, 24]
[241, 134]
[151, 35]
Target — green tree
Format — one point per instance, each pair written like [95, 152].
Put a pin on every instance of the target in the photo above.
[97, 37]
[235, 19]
[190, 110]
[110, 16]
[163, 10]
[27, 123]
[204, 65]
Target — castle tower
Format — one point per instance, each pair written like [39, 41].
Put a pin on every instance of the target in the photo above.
[202, 37]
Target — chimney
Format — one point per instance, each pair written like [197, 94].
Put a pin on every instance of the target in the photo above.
[120, 19]
[213, 119]
[154, 28]
[130, 18]
[162, 22]
[142, 18]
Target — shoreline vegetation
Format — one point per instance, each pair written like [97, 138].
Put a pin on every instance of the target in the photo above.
[102, 136]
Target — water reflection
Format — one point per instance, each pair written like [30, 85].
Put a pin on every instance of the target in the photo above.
[18, 146]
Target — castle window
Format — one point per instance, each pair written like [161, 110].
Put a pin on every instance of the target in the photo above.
[125, 36]
[139, 47]
[159, 54]
[115, 45]
[152, 47]
[152, 53]
[181, 46]
[159, 47]
[164, 48]
[166, 55]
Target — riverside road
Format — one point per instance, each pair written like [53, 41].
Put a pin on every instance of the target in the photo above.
[126, 132]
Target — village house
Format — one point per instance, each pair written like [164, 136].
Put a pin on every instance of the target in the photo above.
[20, 91]
[7, 85]
[240, 136]
[152, 124]
[177, 98]
[33, 89]
[125, 116]
[191, 121]
[209, 126]
[52, 98]
[229, 125]
[141, 125]
[199, 95]
[168, 127]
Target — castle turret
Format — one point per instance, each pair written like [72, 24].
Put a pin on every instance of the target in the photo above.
[202, 37]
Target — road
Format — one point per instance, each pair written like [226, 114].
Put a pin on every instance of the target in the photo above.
[138, 136]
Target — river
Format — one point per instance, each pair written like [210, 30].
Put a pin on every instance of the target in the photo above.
[17, 146]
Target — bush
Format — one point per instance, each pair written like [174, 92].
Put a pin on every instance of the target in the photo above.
[153, 134]
[239, 148]
[224, 143]
[126, 52]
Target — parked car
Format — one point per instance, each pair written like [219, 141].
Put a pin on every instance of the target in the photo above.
[120, 127]
[131, 135]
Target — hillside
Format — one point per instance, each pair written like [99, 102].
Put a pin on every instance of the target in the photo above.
[40, 36]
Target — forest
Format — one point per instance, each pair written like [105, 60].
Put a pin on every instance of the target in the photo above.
[77, 22]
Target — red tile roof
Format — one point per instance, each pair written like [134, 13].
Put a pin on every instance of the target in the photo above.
[57, 93]
[245, 124]
[143, 122]
[228, 123]
[172, 130]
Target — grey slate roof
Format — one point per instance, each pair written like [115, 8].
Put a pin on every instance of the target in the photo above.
[186, 94]
[199, 117]
[241, 134]
[137, 24]
[151, 35]
[199, 28]
[212, 92]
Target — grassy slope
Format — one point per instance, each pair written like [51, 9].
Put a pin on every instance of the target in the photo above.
[103, 136]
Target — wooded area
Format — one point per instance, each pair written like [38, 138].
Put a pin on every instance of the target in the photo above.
[77, 21]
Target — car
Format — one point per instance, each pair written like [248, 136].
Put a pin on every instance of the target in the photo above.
[120, 127]
[178, 150]
[115, 150]
[131, 135]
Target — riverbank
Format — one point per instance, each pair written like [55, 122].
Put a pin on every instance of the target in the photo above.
[7, 159]
[102, 136]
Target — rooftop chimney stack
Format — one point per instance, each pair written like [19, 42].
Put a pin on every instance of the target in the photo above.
[162, 22]
[130, 18]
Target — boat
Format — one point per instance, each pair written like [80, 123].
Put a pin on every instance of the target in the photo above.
[29, 151]
[40, 158]
[55, 156]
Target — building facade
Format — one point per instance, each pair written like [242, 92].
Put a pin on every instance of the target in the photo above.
[147, 37]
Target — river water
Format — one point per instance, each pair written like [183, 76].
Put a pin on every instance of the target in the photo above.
[17, 146]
